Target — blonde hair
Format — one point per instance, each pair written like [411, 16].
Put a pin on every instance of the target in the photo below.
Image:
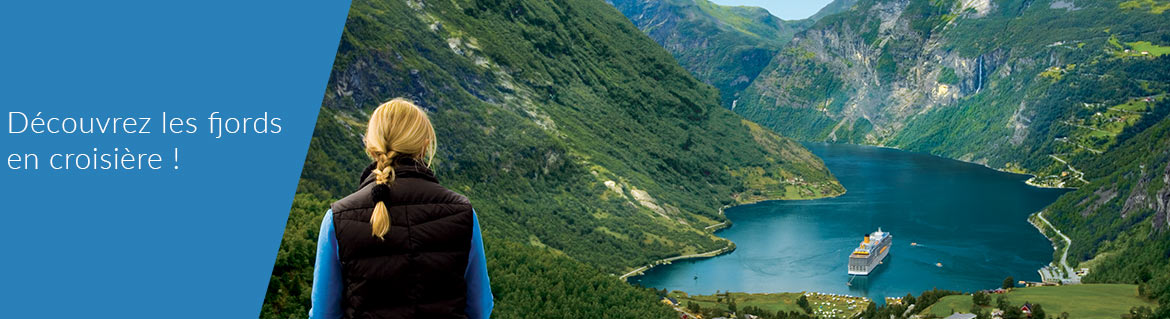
[396, 128]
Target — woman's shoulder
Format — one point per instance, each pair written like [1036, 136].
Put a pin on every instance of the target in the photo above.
[405, 191]
[425, 192]
[360, 199]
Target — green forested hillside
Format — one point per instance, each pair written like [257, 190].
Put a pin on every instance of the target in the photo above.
[586, 150]
[1118, 223]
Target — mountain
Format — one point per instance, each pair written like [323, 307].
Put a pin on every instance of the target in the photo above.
[982, 81]
[585, 148]
[725, 46]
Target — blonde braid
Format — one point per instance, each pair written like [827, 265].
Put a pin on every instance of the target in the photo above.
[384, 175]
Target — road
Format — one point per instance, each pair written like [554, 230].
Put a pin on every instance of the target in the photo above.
[1069, 271]
[716, 225]
[712, 253]
[1080, 175]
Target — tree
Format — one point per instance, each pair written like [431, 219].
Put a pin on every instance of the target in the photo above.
[803, 303]
[1001, 302]
[1141, 313]
[1009, 282]
[870, 311]
[1037, 311]
[1012, 313]
[693, 307]
[1064, 315]
[981, 298]
[908, 300]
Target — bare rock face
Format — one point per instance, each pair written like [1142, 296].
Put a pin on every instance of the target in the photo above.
[1161, 203]
[855, 61]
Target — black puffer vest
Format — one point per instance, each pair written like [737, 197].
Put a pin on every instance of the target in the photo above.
[417, 271]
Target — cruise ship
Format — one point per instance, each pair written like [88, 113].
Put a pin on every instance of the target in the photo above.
[870, 253]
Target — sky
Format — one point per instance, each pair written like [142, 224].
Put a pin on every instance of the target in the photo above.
[785, 9]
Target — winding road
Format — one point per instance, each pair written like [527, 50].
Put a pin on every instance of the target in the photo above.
[1069, 272]
[1080, 175]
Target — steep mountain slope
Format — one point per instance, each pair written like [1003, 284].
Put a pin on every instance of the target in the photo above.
[1119, 223]
[572, 133]
[982, 81]
[725, 46]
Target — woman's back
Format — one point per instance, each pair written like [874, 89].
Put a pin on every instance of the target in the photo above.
[401, 246]
[417, 269]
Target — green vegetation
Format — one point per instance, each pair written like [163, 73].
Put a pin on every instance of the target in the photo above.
[585, 148]
[1154, 6]
[807, 305]
[1099, 131]
[772, 305]
[947, 76]
[897, 307]
[530, 282]
[718, 304]
[1146, 46]
[1079, 301]
[1116, 220]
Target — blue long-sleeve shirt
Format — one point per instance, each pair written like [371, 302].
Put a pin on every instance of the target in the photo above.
[328, 284]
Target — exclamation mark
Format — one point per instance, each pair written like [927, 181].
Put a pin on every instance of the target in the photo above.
[176, 158]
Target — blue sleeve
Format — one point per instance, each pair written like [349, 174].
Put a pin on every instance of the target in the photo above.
[326, 274]
[479, 289]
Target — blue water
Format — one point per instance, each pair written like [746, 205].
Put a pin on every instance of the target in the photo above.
[970, 218]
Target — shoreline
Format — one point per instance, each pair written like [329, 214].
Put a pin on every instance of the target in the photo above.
[1002, 170]
[730, 247]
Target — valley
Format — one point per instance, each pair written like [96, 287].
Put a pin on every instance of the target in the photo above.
[993, 83]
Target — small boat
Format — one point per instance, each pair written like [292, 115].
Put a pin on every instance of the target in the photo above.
[938, 264]
[913, 244]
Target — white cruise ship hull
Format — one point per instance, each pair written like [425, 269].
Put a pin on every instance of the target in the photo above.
[863, 265]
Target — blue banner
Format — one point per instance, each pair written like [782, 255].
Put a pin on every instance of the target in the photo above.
[151, 151]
